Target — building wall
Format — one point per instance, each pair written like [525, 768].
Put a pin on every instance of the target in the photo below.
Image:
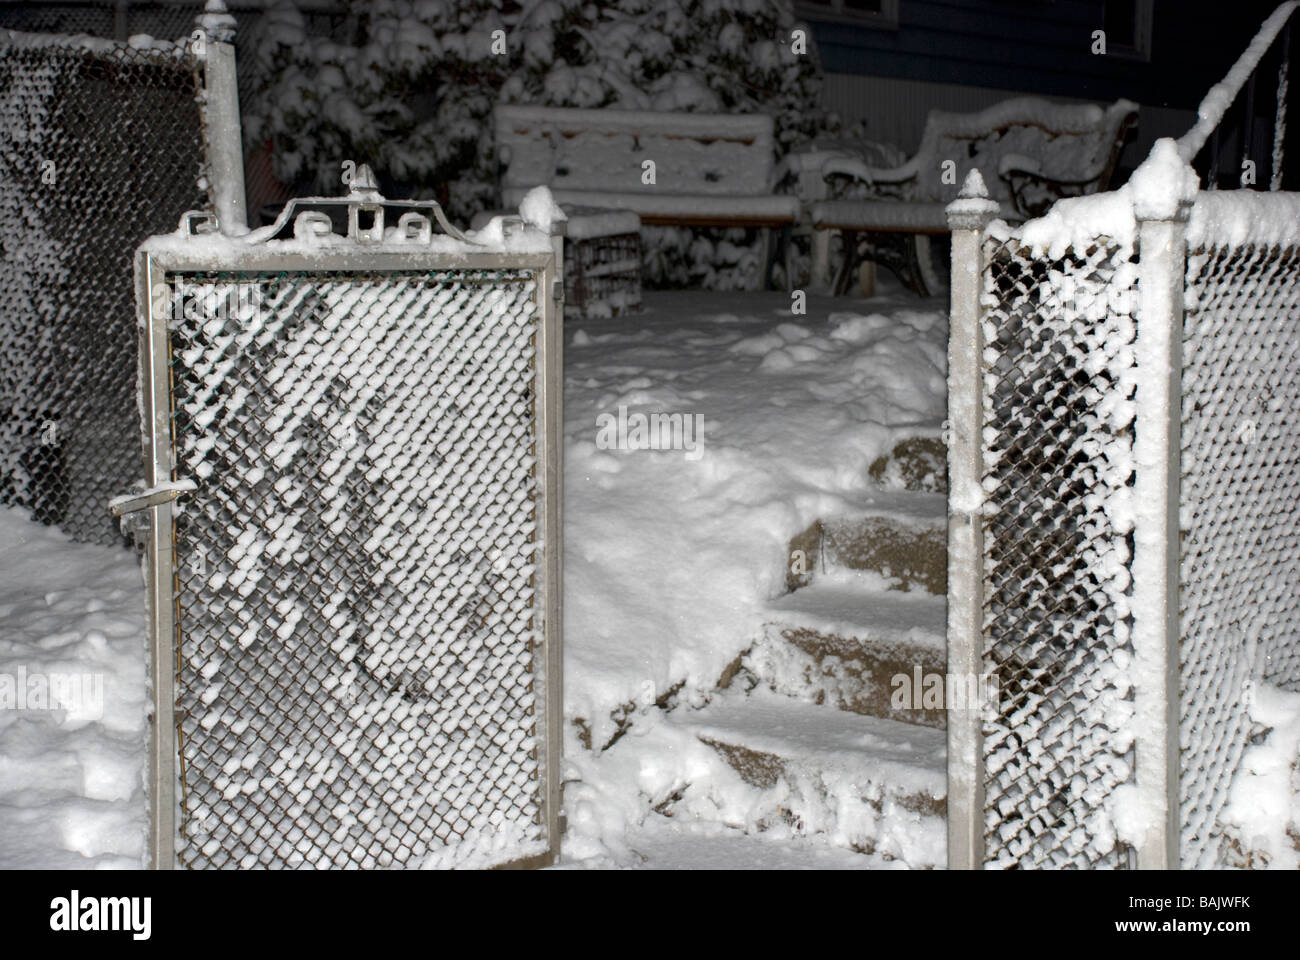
[1044, 46]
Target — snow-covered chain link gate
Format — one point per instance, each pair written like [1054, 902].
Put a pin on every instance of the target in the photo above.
[361, 590]
[1125, 532]
[100, 146]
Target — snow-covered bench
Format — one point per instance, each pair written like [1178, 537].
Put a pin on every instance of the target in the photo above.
[1031, 152]
[675, 169]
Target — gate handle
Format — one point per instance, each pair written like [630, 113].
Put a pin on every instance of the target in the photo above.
[163, 493]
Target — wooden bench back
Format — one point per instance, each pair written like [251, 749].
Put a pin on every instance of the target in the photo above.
[1068, 141]
[694, 153]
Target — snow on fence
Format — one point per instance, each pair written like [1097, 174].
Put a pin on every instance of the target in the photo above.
[1125, 535]
[353, 476]
[100, 146]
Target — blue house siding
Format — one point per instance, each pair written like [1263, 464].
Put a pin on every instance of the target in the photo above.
[1044, 47]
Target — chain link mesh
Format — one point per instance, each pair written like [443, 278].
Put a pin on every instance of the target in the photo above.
[603, 276]
[99, 148]
[355, 575]
[1058, 401]
[1240, 555]
[176, 21]
[1058, 388]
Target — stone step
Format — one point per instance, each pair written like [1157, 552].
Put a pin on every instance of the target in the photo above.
[865, 784]
[672, 843]
[870, 652]
[901, 536]
[919, 464]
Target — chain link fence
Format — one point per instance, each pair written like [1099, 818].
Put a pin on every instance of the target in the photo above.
[1240, 552]
[1067, 385]
[603, 276]
[1059, 379]
[101, 145]
[174, 20]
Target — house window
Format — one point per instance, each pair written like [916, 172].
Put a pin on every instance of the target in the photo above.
[881, 13]
[1128, 28]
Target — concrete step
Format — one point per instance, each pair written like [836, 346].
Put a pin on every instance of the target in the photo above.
[901, 536]
[919, 464]
[870, 652]
[668, 843]
[866, 784]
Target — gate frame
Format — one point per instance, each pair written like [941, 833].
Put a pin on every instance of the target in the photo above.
[1161, 217]
[160, 256]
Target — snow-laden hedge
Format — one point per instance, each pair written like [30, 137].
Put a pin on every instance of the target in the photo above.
[413, 90]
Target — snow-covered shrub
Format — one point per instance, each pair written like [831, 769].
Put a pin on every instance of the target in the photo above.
[413, 92]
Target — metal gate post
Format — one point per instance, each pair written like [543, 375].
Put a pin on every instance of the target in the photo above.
[160, 588]
[1162, 225]
[225, 149]
[552, 434]
[967, 218]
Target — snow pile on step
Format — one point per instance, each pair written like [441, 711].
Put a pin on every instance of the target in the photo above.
[842, 603]
[671, 554]
[847, 642]
[72, 701]
[768, 766]
[665, 843]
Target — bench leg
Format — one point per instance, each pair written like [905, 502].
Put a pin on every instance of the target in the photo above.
[925, 264]
[772, 249]
[780, 255]
[849, 242]
[867, 279]
[787, 256]
[821, 259]
[764, 259]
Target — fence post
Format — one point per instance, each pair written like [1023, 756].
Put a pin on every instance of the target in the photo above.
[968, 215]
[221, 118]
[1166, 187]
[156, 412]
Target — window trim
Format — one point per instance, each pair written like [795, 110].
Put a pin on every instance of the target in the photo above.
[1141, 48]
[833, 11]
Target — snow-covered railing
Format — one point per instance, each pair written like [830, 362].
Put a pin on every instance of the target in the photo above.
[1214, 107]
[1124, 391]
[100, 146]
[352, 477]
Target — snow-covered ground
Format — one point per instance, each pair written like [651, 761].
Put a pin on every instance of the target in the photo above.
[72, 701]
[670, 555]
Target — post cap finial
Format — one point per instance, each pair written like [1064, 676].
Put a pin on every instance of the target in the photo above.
[972, 210]
[363, 183]
[973, 187]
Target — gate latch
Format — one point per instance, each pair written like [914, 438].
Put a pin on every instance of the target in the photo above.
[163, 493]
